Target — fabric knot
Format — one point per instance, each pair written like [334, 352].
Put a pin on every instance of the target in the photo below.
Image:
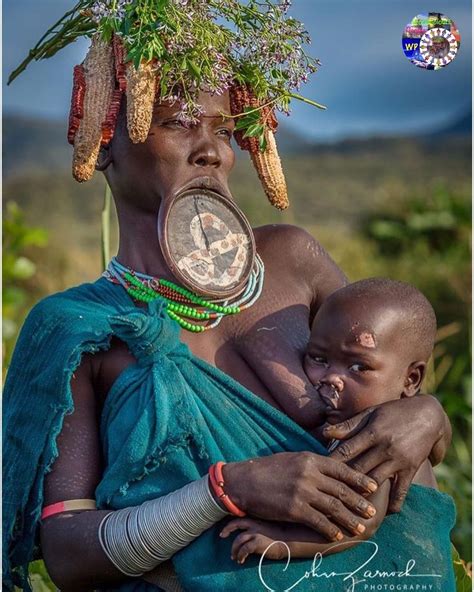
[149, 333]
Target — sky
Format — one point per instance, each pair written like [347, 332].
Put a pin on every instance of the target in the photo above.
[366, 82]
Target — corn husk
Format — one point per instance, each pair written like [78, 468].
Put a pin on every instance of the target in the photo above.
[100, 83]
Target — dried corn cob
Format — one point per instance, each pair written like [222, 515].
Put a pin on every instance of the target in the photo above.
[141, 89]
[108, 126]
[119, 61]
[100, 84]
[267, 163]
[270, 172]
[240, 98]
[77, 103]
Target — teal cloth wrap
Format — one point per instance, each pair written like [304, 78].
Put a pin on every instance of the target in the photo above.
[166, 418]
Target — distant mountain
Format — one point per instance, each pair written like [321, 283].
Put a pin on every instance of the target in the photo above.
[31, 144]
[34, 144]
[291, 142]
[459, 126]
[39, 144]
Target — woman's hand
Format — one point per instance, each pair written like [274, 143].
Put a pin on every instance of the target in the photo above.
[302, 487]
[393, 440]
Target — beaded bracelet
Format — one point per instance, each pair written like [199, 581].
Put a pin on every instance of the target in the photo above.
[216, 479]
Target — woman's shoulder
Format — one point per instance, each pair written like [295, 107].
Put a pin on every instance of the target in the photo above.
[88, 298]
[66, 324]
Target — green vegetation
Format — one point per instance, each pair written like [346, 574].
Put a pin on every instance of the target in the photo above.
[18, 268]
[397, 208]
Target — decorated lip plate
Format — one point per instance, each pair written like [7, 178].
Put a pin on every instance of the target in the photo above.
[207, 243]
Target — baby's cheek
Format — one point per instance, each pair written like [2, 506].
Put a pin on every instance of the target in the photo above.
[312, 371]
[367, 397]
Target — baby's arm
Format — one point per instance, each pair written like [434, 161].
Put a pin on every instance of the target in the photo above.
[261, 536]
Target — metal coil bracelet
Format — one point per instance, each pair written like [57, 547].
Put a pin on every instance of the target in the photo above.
[137, 539]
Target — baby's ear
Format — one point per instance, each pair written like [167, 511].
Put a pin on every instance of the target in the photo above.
[413, 379]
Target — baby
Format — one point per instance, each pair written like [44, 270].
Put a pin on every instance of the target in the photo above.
[370, 343]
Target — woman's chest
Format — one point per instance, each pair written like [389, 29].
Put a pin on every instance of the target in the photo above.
[261, 350]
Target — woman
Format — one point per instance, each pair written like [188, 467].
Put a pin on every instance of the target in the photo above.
[141, 408]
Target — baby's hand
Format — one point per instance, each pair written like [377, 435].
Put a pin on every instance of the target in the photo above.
[253, 540]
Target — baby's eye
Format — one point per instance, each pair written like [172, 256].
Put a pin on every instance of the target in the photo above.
[319, 360]
[359, 367]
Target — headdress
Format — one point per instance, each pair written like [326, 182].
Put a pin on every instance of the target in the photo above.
[172, 49]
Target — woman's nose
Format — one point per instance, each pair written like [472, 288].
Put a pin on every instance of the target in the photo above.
[205, 154]
[334, 380]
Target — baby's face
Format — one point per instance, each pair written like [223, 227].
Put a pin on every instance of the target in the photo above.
[355, 358]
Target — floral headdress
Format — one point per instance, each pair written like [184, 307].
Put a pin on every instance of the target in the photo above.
[170, 50]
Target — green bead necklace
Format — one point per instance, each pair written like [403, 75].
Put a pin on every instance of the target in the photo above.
[176, 310]
[182, 305]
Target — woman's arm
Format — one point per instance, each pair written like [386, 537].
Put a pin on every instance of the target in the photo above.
[75, 475]
[180, 516]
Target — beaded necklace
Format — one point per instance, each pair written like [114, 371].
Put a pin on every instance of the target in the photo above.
[182, 304]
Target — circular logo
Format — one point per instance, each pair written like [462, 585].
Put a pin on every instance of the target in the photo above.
[431, 41]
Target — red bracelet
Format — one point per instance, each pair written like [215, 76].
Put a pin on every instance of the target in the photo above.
[77, 504]
[217, 483]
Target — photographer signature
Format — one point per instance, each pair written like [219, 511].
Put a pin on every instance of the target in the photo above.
[352, 578]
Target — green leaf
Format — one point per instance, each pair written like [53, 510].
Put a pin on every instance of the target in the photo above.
[163, 86]
[137, 58]
[148, 54]
[463, 581]
[254, 130]
[250, 117]
[127, 23]
[241, 124]
[196, 70]
[262, 142]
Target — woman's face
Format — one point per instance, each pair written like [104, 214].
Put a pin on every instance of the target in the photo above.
[173, 156]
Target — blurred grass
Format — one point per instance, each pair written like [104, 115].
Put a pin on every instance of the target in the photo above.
[397, 208]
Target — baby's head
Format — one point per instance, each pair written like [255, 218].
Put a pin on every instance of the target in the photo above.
[370, 343]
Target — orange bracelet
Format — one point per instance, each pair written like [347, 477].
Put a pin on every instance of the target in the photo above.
[217, 482]
[77, 504]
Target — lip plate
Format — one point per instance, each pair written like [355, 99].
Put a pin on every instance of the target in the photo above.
[204, 182]
[196, 184]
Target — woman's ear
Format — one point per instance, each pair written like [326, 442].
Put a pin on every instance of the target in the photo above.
[413, 379]
[104, 158]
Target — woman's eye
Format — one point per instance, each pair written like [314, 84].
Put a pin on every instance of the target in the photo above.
[174, 123]
[225, 132]
[358, 367]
